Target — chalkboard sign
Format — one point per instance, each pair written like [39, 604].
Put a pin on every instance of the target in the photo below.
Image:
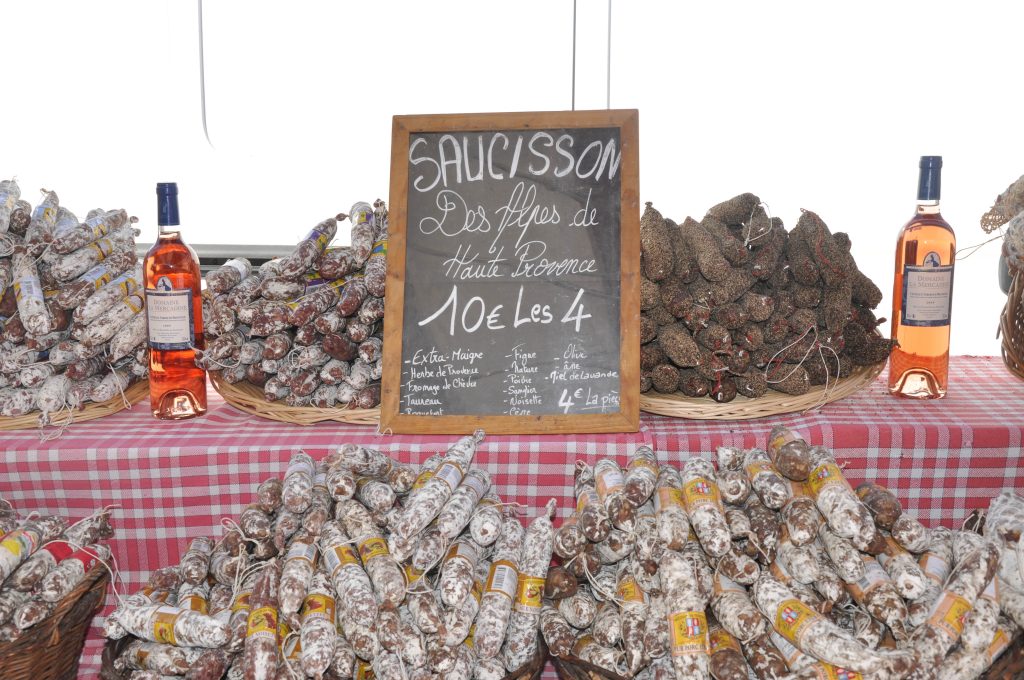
[513, 288]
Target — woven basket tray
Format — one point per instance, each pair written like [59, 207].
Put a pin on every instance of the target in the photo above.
[50, 649]
[249, 398]
[113, 649]
[574, 668]
[1011, 324]
[30, 421]
[773, 403]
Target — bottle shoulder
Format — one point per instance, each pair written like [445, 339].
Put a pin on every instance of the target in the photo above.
[933, 222]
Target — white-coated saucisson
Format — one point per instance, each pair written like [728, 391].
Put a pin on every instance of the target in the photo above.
[521, 637]
[704, 507]
[500, 590]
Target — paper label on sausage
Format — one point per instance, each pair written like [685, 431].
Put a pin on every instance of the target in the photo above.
[667, 497]
[412, 574]
[643, 462]
[300, 465]
[163, 620]
[793, 619]
[798, 489]
[722, 584]
[759, 466]
[582, 643]
[450, 473]
[20, 543]
[477, 591]
[1000, 641]
[608, 480]
[302, 551]
[793, 656]
[689, 633]
[529, 593]
[586, 498]
[380, 248]
[97, 277]
[134, 303]
[629, 590]
[262, 623]
[421, 479]
[826, 671]
[317, 606]
[783, 437]
[874, 576]
[825, 476]
[503, 579]
[194, 602]
[719, 639]
[339, 556]
[363, 670]
[700, 493]
[241, 267]
[934, 567]
[242, 601]
[991, 591]
[169, 313]
[27, 287]
[475, 484]
[60, 550]
[371, 548]
[103, 248]
[462, 550]
[948, 614]
[319, 238]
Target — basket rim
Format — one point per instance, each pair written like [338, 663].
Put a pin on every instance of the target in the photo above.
[248, 398]
[48, 633]
[773, 403]
[134, 393]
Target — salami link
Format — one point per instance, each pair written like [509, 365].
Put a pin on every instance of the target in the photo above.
[500, 590]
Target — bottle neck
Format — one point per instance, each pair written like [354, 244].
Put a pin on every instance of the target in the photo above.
[928, 207]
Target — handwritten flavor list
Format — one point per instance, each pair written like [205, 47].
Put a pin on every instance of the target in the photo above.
[512, 292]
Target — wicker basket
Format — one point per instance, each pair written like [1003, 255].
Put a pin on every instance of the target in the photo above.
[773, 403]
[1011, 324]
[50, 649]
[575, 668]
[113, 649]
[249, 398]
[30, 421]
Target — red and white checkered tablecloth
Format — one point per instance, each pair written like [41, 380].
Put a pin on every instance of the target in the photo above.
[177, 480]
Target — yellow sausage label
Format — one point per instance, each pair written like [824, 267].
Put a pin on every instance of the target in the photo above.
[793, 619]
[262, 622]
[163, 625]
[701, 492]
[827, 671]
[689, 631]
[1000, 641]
[643, 462]
[667, 497]
[948, 614]
[759, 466]
[241, 602]
[629, 590]
[363, 670]
[412, 574]
[318, 606]
[196, 603]
[825, 476]
[373, 547]
[529, 592]
[719, 639]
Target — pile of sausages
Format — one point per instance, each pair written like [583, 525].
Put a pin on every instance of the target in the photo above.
[42, 560]
[74, 329]
[772, 566]
[347, 566]
[306, 328]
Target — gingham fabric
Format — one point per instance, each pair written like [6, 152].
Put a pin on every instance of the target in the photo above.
[177, 480]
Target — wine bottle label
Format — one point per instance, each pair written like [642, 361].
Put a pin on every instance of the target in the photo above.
[169, 312]
[927, 293]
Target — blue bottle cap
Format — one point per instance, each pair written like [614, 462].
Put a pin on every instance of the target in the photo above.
[167, 204]
[929, 185]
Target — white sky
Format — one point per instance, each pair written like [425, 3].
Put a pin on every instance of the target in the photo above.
[824, 106]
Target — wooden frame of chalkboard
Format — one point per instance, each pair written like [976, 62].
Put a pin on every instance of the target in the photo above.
[513, 284]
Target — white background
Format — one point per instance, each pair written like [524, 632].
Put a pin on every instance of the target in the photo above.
[823, 106]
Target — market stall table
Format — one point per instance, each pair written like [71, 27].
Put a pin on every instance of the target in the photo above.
[173, 481]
